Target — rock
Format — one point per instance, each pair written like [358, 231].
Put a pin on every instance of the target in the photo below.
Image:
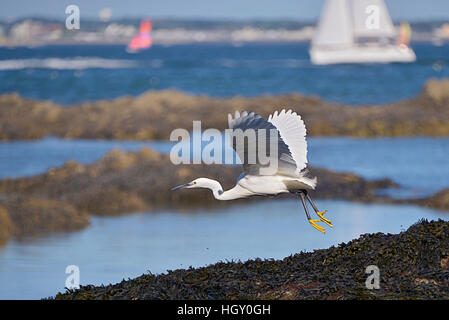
[33, 216]
[124, 182]
[153, 115]
[409, 264]
[5, 225]
[110, 201]
[437, 90]
[438, 201]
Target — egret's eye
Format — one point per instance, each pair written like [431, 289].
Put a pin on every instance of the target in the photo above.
[194, 182]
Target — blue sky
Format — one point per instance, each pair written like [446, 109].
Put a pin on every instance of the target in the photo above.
[213, 9]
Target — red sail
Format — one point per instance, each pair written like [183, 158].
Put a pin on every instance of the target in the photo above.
[143, 39]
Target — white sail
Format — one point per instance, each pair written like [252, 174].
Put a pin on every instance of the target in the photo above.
[371, 19]
[357, 31]
[335, 25]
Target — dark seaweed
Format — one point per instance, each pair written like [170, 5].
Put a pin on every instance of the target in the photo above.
[413, 265]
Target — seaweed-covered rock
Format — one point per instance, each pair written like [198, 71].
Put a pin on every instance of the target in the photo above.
[5, 225]
[125, 182]
[20, 216]
[413, 265]
[154, 114]
[440, 200]
[437, 90]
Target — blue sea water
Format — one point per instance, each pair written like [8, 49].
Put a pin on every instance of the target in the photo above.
[120, 247]
[112, 249]
[418, 164]
[73, 74]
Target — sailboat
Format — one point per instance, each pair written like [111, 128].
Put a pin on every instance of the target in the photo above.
[359, 31]
[142, 40]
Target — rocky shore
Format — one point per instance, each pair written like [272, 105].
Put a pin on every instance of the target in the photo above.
[125, 182]
[23, 216]
[154, 114]
[63, 199]
[412, 265]
[440, 200]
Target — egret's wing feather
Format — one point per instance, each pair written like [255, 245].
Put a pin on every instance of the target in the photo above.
[293, 132]
[245, 121]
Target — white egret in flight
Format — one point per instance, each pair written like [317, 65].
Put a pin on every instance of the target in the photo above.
[290, 175]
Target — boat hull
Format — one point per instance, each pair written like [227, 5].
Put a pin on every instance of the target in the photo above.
[367, 54]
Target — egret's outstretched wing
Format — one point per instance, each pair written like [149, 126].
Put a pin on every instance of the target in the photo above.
[293, 132]
[286, 163]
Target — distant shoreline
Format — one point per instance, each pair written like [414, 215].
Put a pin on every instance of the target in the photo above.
[41, 31]
[192, 42]
[124, 43]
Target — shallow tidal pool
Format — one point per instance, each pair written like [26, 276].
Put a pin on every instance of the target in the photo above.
[120, 247]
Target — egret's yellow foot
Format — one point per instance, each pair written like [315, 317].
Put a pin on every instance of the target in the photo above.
[319, 228]
[326, 221]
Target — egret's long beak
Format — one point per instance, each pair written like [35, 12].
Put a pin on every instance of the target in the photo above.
[182, 186]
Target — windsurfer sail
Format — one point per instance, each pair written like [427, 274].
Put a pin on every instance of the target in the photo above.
[142, 40]
[405, 33]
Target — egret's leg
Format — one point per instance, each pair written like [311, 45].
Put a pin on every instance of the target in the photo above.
[312, 222]
[319, 214]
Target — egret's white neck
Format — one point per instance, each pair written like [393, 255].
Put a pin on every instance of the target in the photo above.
[218, 192]
[214, 186]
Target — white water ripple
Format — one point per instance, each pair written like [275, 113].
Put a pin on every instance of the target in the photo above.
[77, 63]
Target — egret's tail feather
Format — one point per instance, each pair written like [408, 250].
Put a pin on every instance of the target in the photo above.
[310, 181]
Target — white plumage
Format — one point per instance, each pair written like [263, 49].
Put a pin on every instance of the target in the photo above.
[293, 132]
[290, 175]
